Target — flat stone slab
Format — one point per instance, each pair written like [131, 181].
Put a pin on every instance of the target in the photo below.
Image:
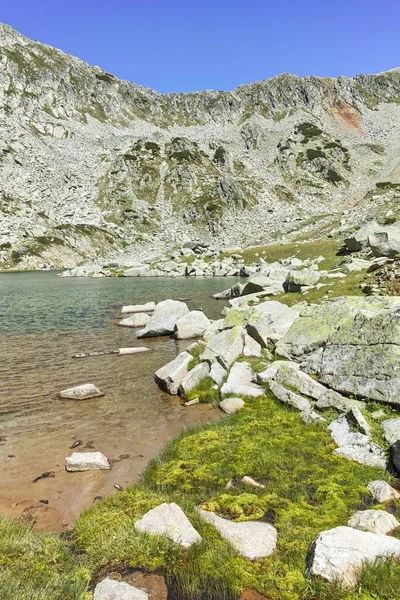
[82, 392]
[339, 553]
[382, 491]
[138, 308]
[376, 521]
[252, 539]
[86, 461]
[231, 405]
[109, 589]
[171, 521]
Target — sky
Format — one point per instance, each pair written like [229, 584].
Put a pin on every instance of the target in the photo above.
[189, 45]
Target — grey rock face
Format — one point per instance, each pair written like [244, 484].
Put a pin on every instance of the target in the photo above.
[240, 382]
[269, 321]
[382, 491]
[339, 553]
[192, 325]
[376, 521]
[81, 392]
[170, 376]
[251, 539]
[109, 589]
[86, 461]
[171, 521]
[164, 319]
[351, 344]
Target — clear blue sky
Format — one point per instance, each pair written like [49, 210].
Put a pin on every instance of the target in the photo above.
[188, 45]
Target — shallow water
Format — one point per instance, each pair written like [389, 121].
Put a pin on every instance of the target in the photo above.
[44, 320]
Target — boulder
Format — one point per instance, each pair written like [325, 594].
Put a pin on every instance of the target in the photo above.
[251, 347]
[231, 405]
[355, 265]
[86, 461]
[225, 346]
[352, 344]
[289, 397]
[217, 372]
[240, 382]
[252, 539]
[136, 320]
[355, 446]
[359, 240]
[391, 428]
[258, 283]
[82, 392]
[139, 308]
[376, 521]
[171, 521]
[171, 375]
[214, 328]
[109, 589]
[193, 378]
[192, 325]
[309, 417]
[164, 319]
[295, 280]
[382, 491]
[268, 320]
[383, 245]
[340, 553]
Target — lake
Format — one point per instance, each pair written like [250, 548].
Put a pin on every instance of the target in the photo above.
[44, 320]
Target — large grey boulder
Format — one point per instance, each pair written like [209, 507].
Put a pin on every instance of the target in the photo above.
[340, 553]
[82, 392]
[386, 243]
[260, 283]
[252, 539]
[87, 461]
[240, 382]
[192, 325]
[170, 376]
[359, 239]
[193, 378]
[226, 346]
[138, 308]
[164, 318]
[109, 589]
[295, 280]
[376, 521]
[382, 491]
[135, 320]
[391, 428]
[269, 321]
[171, 521]
[352, 344]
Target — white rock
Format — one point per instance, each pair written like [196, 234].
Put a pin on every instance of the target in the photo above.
[391, 428]
[86, 461]
[376, 521]
[171, 521]
[136, 320]
[251, 347]
[194, 377]
[251, 539]
[339, 553]
[382, 491]
[171, 375]
[268, 319]
[139, 308]
[225, 346]
[231, 405]
[109, 589]
[217, 372]
[289, 397]
[82, 392]
[240, 382]
[164, 318]
[251, 482]
[134, 350]
[192, 325]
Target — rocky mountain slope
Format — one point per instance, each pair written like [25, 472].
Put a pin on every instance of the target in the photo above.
[95, 168]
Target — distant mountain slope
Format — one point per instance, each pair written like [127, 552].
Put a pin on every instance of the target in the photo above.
[93, 167]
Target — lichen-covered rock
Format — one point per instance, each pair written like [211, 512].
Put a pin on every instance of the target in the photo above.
[164, 319]
[252, 539]
[170, 376]
[226, 346]
[269, 320]
[339, 553]
[351, 344]
[376, 521]
[171, 521]
[240, 382]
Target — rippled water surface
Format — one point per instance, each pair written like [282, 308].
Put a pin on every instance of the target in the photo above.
[44, 320]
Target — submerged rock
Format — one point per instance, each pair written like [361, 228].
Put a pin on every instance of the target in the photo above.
[339, 553]
[252, 539]
[171, 521]
[82, 392]
[109, 589]
[135, 320]
[86, 461]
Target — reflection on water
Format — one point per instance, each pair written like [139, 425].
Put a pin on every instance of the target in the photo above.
[44, 320]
